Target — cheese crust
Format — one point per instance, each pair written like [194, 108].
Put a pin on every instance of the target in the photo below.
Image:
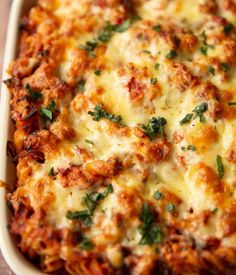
[125, 151]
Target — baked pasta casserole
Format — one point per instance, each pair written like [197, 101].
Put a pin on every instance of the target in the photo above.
[124, 143]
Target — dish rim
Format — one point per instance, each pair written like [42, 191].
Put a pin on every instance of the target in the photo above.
[16, 261]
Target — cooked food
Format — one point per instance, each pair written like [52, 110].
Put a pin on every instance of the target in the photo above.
[125, 150]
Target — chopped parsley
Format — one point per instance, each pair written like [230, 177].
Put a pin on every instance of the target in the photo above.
[124, 26]
[220, 166]
[34, 94]
[224, 66]
[97, 72]
[108, 191]
[228, 28]
[204, 50]
[211, 70]
[81, 85]
[204, 37]
[109, 29]
[106, 33]
[158, 195]
[157, 28]
[89, 141]
[51, 172]
[90, 47]
[172, 54]
[200, 110]
[186, 119]
[91, 200]
[214, 211]
[232, 103]
[157, 66]
[191, 148]
[151, 233]
[83, 216]
[205, 46]
[86, 244]
[99, 113]
[170, 207]
[47, 112]
[154, 127]
[153, 81]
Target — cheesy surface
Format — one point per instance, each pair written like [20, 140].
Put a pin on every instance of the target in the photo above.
[125, 150]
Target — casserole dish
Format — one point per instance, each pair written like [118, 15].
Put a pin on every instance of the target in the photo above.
[14, 258]
[125, 115]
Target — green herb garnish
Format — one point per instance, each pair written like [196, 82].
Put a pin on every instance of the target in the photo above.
[34, 94]
[170, 207]
[232, 103]
[108, 191]
[214, 211]
[47, 112]
[89, 141]
[157, 66]
[124, 26]
[97, 72]
[155, 126]
[81, 85]
[92, 199]
[99, 113]
[153, 81]
[151, 233]
[200, 110]
[224, 66]
[86, 244]
[191, 148]
[211, 70]
[203, 50]
[172, 54]
[158, 195]
[109, 29]
[220, 166]
[83, 216]
[51, 172]
[157, 28]
[228, 28]
[90, 47]
[186, 119]
[106, 33]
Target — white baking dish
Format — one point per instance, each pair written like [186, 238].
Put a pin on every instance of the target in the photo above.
[7, 171]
